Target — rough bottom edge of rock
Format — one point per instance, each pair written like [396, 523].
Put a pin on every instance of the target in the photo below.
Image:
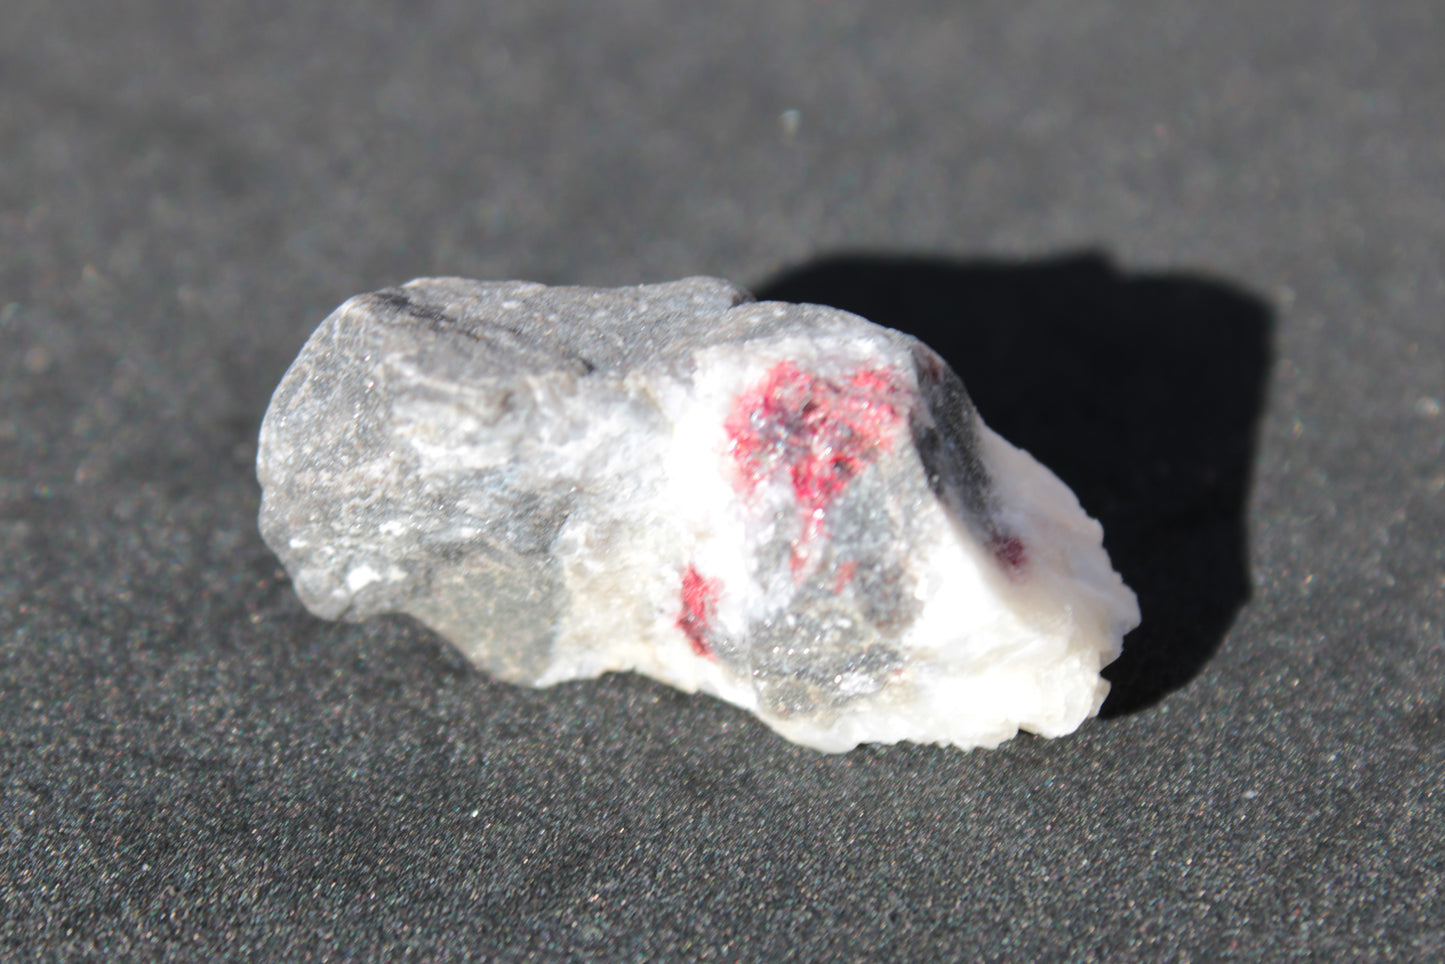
[784, 506]
[1032, 663]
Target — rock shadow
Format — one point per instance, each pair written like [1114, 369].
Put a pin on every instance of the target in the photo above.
[1142, 392]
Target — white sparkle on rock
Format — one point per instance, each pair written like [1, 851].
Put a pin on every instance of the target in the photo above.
[782, 505]
[360, 577]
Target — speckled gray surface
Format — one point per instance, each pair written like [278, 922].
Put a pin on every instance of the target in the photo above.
[1190, 255]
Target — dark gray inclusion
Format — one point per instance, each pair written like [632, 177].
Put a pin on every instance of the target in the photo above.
[948, 448]
[836, 642]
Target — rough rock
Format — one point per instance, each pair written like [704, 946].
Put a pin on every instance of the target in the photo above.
[782, 505]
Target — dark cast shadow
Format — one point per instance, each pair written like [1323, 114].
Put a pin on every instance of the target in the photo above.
[1142, 392]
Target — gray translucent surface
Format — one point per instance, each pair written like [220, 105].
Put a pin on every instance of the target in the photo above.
[1189, 255]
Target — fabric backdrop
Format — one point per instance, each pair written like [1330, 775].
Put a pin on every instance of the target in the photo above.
[1188, 254]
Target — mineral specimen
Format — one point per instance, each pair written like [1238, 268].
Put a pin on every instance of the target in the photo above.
[783, 505]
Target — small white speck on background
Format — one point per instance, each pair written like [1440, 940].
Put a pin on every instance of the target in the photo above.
[789, 122]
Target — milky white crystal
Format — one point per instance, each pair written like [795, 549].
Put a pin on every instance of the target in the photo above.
[782, 505]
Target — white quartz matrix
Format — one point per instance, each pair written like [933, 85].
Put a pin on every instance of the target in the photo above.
[783, 505]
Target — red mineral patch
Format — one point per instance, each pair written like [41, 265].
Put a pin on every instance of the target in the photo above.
[822, 431]
[699, 596]
[1010, 552]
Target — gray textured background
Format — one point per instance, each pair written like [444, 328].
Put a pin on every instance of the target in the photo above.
[1188, 253]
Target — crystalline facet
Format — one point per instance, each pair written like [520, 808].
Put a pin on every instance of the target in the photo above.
[783, 505]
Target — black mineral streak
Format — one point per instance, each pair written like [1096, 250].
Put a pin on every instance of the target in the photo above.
[399, 302]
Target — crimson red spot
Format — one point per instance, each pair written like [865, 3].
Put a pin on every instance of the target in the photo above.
[699, 597]
[845, 574]
[1010, 551]
[821, 431]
